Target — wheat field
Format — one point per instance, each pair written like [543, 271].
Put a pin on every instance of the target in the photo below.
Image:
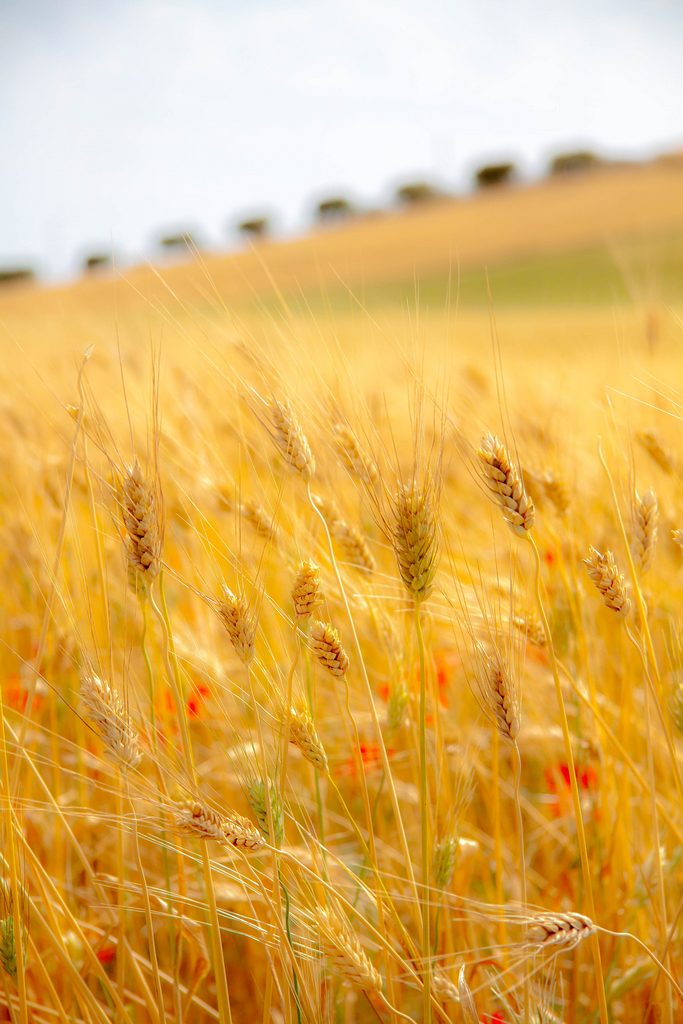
[341, 667]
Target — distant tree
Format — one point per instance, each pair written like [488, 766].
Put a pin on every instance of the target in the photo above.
[96, 261]
[254, 227]
[334, 208]
[494, 174]
[574, 163]
[16, 275]
[183, 239]
[416, 192]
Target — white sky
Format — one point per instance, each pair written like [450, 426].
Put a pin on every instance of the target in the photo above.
[120, 119]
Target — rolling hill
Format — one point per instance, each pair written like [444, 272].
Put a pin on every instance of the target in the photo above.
[615, 233]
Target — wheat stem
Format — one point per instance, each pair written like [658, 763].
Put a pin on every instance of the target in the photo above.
[424, 819]
[8, 815]
[574, 784]
[174, 676]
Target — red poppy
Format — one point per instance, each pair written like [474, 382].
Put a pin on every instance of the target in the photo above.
[370, 756]
[15, 694]
[558, 780]
[384, 691]
[106, 954]
[195, 701]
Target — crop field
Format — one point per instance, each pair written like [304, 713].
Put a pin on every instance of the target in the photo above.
[341, 666]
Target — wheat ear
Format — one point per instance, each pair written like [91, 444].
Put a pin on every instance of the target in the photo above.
[532, 628]
[326, 645]
[303, 735]
[8, 946]
[354, 546]
[143, 527]
[498, 692]
[558, 493]
[345, 953]
[559, 931]
[356, 460]
[240, 623]
[415, 539]
[468, 1008]
[656, 450]
[645, 520]
[195, 818]
[290, 438]
[306, 590]
[103, 706]
[506, 485]
[604, 573]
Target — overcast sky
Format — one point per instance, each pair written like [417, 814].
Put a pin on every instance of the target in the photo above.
[120, 119]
